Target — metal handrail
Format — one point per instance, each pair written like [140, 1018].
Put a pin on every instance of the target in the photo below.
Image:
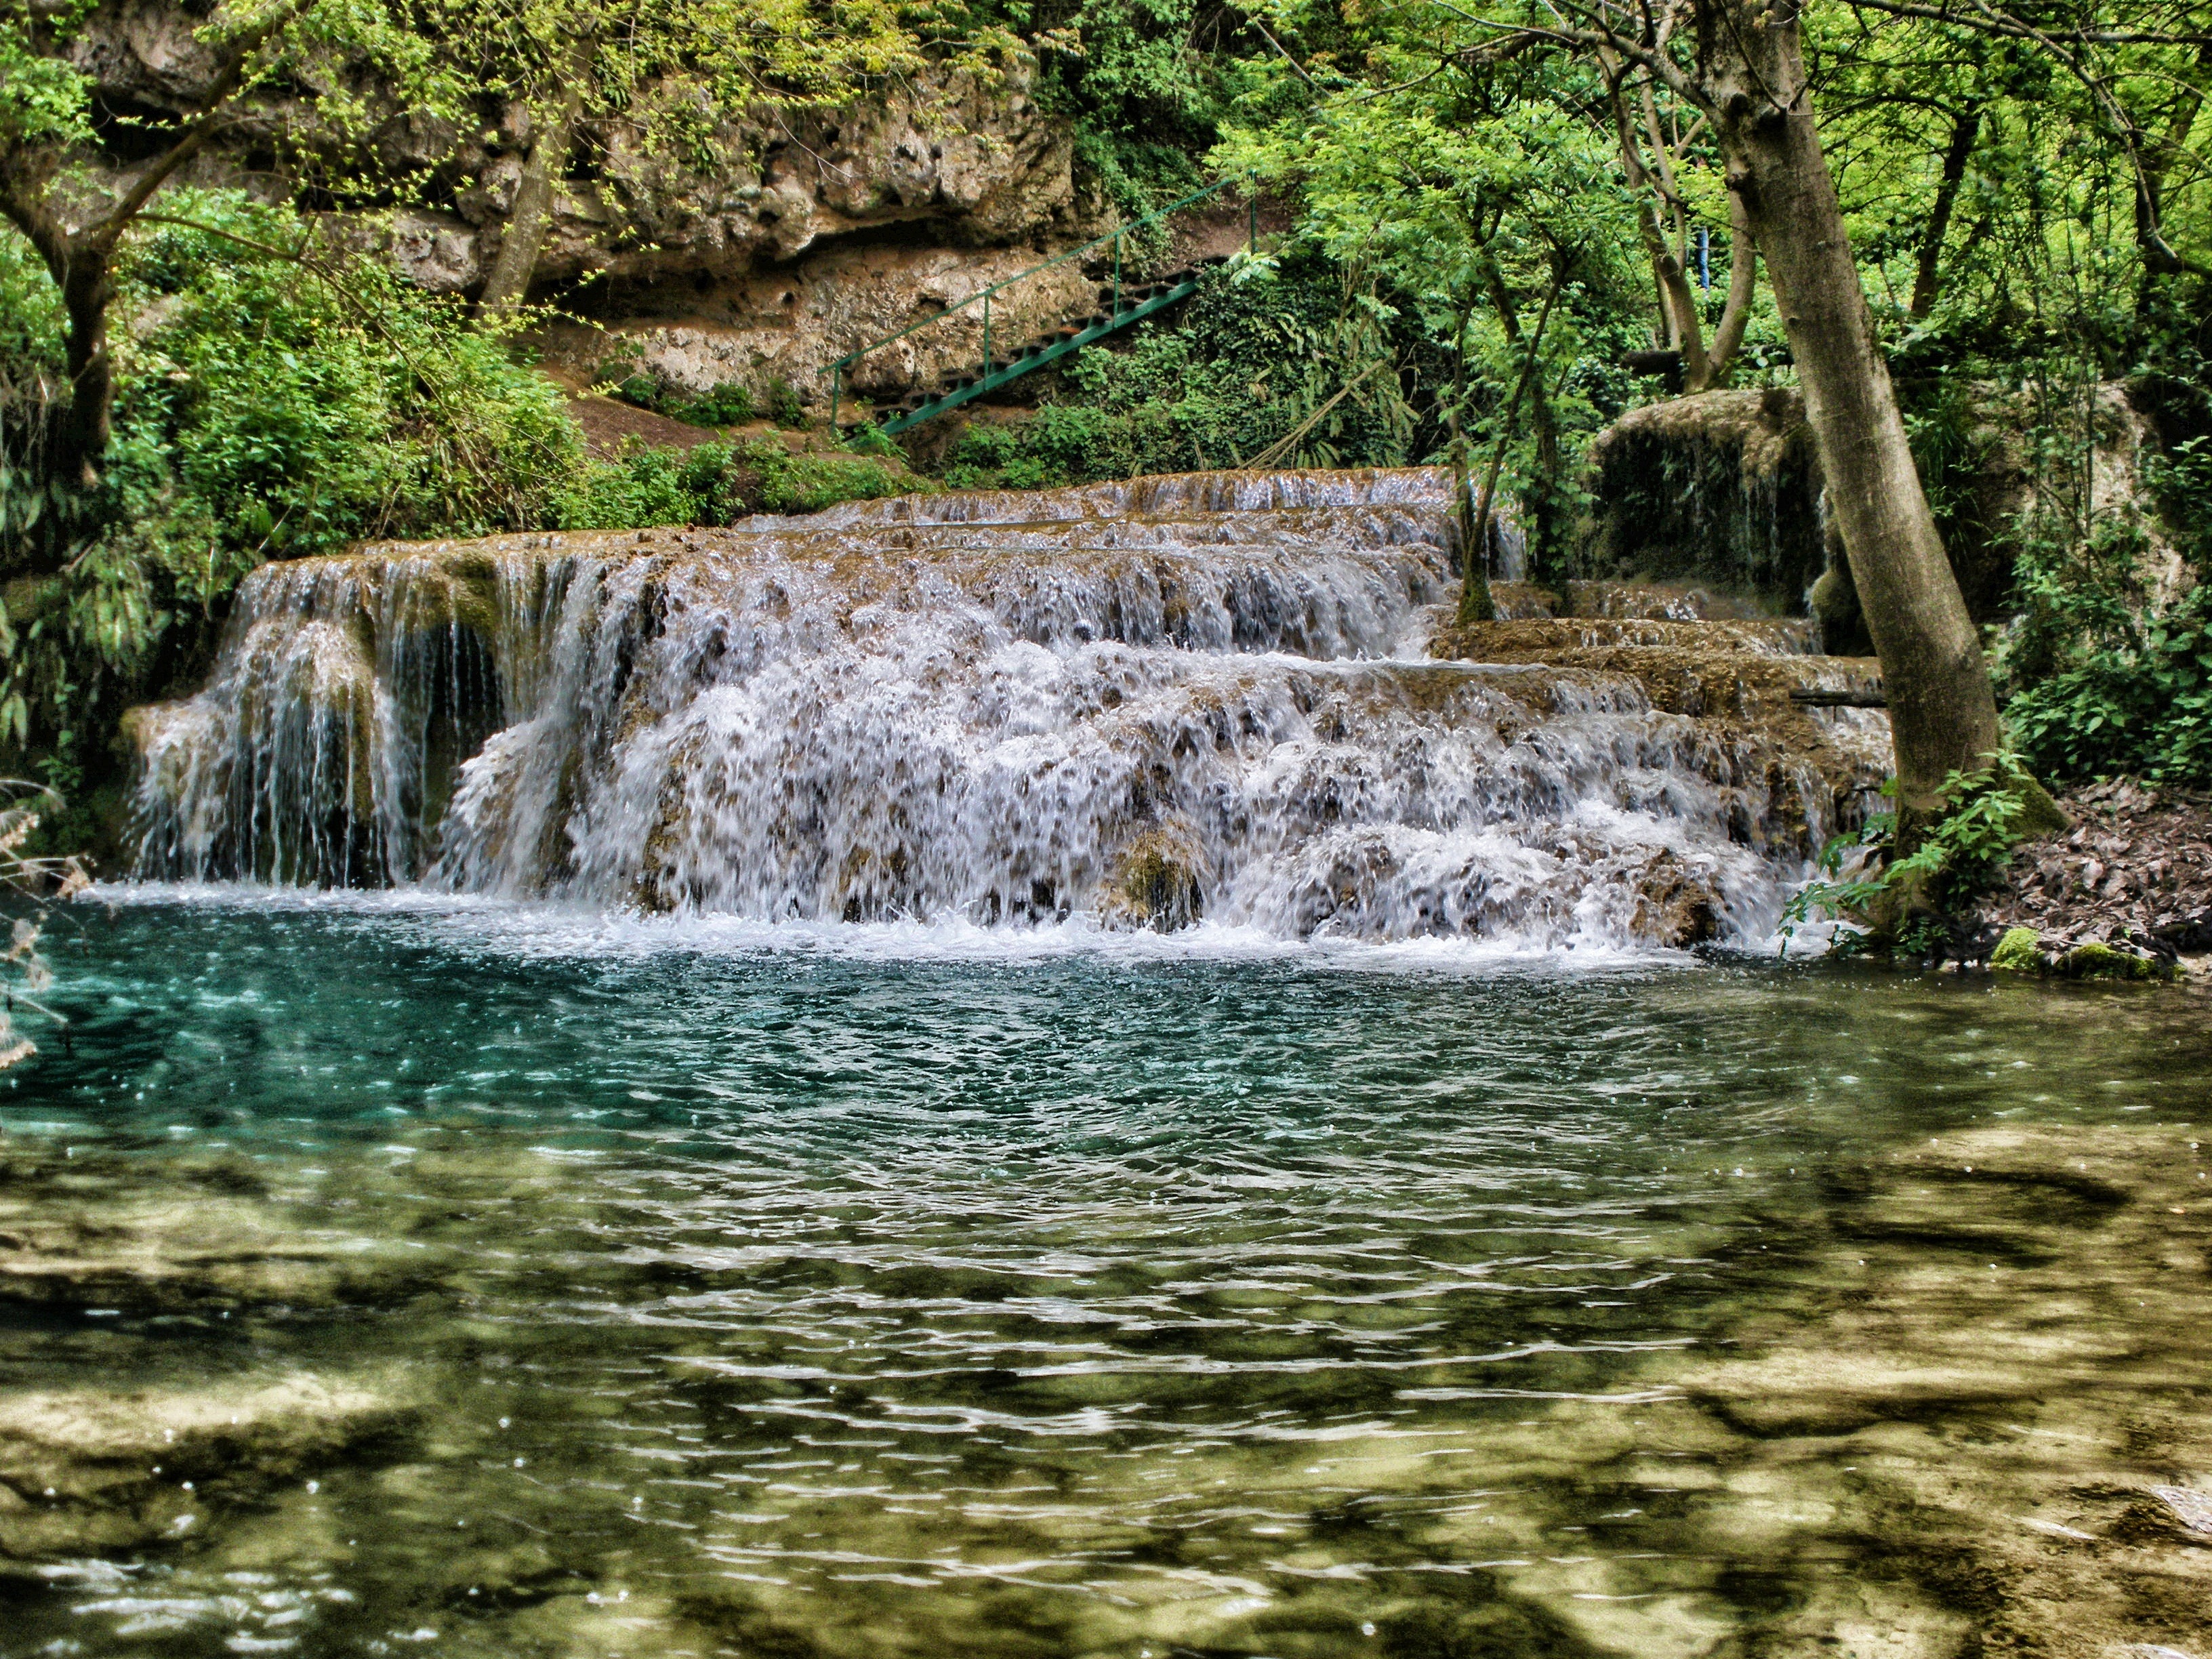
[836, 370]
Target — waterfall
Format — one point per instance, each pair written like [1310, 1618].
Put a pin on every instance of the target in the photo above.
[1148, 703]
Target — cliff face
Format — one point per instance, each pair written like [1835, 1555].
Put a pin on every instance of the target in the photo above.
[791, 322]
[777, 241]
[963, 165]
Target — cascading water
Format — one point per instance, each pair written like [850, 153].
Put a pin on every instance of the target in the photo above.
[1152, 702]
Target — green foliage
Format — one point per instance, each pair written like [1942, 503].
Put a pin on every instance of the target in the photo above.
[2140, 704]
[272, 406]
[2107, 676]
[716, 483]
[808, 481]
[783, 406]
[653, 487]
[1282, 360]
[1146, 82]
[1861, 878]
[727, 402]
[269, 407]
[1470, 199]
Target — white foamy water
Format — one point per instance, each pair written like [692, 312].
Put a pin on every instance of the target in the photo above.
[1165, 704]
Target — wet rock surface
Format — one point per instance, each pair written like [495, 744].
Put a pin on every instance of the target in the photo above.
[1717, 489]
[86, 1470]
[2003, 1394]
[1734, 678]
[772, 242]
[75, 1233]
[1963, 1414]
[981, 702]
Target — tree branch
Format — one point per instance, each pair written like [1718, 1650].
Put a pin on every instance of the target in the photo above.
[2014, 29]
[213, 113]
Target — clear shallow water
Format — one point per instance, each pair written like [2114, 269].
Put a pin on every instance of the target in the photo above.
[577, 1287]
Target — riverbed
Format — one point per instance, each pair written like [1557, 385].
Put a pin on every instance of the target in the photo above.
[402, 1274]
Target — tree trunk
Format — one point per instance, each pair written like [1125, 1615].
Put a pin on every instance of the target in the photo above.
[1539, 508]
[1478, 545]
[1703, 368]
[524, 238]
[1743, 288]
[2154, 161]
[1942, 711]
[1475, 603]
[87, 286]
[1928, 271]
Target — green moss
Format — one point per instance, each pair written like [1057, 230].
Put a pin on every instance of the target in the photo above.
[2019, 951]
[2094, 961]
[1157, 885]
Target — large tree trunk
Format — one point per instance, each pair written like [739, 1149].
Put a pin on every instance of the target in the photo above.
[524, 238]
[87, 286]
[1942, 711]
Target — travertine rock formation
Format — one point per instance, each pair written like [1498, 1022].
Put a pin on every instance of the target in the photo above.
[775, 242]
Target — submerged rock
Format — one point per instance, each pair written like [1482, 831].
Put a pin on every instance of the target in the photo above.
[2192, 1506]
[95, 1232]
[1994, 1380]
[1158, 884]
[85, 1470]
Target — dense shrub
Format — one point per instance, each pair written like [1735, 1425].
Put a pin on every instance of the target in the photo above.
[273, 401]
[715, 483]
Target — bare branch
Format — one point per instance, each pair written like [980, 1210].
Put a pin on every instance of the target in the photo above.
[214, 112]
[2012, 28]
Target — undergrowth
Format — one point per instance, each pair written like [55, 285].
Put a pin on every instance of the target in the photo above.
[1905, 901]
[1284, 364]
[716, 483]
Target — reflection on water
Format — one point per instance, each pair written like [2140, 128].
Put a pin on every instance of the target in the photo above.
[391, 1282]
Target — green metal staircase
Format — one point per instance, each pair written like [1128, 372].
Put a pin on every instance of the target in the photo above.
[1119, 307]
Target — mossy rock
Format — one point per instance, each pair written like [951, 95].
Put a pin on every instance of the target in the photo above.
[1157, 884]
[1717, 487]
[2094, 961]
[2019, 951]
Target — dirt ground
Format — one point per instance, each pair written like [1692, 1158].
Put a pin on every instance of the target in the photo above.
[2136, 868]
